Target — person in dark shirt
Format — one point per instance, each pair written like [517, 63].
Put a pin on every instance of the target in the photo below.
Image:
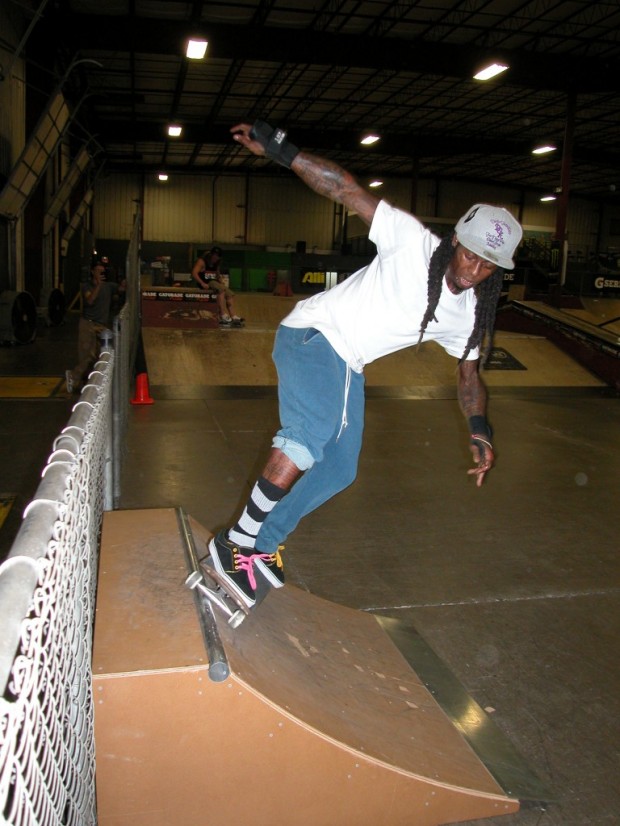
[206, 273]
[97, 297]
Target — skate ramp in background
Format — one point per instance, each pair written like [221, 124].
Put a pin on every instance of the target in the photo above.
[320, 721]
[194, 363]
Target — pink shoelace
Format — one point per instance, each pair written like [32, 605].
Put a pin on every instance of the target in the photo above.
[245, 563]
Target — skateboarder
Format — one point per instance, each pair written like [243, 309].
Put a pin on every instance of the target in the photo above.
[416, 289]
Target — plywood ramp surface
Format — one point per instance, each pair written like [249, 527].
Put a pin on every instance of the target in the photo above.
[600, 311]
[233, 357]
[322, 721]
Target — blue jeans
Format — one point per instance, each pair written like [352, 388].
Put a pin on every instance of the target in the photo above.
[314, 394]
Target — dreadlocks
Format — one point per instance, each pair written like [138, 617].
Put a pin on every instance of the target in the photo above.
[487, 294]
[436, 271]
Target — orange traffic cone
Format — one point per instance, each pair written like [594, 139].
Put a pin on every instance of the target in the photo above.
[142, 390]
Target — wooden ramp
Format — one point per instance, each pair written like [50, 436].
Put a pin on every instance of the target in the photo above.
[321, 721]
[183, 358]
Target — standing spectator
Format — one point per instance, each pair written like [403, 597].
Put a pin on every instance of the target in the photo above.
[97, 297]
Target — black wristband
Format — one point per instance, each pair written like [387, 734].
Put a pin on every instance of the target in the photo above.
[277, 147]
[479, 425]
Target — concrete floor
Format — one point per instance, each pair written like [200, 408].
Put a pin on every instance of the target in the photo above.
[515, 586]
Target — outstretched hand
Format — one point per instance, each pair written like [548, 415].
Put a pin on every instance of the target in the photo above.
[241, 134]
[484, 458]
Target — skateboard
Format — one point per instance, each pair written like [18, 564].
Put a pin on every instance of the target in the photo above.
[215, 589]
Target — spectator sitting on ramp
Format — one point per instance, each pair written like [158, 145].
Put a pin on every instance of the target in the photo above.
[206, 273]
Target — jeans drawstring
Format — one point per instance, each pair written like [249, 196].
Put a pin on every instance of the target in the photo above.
[347, 384]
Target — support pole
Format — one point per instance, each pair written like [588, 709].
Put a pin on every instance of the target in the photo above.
[562, 213]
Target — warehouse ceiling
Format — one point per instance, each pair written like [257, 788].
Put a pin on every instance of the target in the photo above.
[329, 70]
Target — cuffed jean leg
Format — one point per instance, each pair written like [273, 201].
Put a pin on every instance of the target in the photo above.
[333, 473]
[311, 382]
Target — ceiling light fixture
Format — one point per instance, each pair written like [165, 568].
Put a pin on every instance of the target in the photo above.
[375, 184]
[369, 139]
[548, 198]
[196, 48]
[174, 130]
[162, 176]
[490, 71]
[543, 149]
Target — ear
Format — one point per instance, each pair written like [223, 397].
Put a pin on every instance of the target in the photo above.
[455, 241]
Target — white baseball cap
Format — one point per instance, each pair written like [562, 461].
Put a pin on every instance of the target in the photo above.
[491, 232]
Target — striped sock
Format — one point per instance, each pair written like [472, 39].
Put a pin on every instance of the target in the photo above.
[263, 499]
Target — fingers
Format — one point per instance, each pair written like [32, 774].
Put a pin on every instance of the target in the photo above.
[242, 134]
[484, 461]
[241, 131]
[479, 473]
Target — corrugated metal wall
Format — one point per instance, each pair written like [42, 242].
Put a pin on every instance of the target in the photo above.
[12, 97]
[181, 209]
[114, 205]
[279, 211]
[282, 212]
[12, 140]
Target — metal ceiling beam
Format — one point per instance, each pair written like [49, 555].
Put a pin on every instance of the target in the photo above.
[280, 45]
[408, 146]
[126, 164]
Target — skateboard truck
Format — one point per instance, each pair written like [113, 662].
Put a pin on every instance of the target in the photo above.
[196, 580]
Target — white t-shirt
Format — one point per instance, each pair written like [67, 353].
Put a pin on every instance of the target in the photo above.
[379, 309]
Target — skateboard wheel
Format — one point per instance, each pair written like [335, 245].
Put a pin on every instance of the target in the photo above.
[236, 619]
[193, 579]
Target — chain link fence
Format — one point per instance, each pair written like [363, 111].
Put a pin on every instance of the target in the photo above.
[47, 597]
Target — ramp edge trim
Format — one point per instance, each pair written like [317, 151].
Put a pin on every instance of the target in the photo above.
[491, 745]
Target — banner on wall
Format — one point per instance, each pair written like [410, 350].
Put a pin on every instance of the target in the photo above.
[178, 308]
[306, 280]
[606, 282]
[515, 277]
[315, 281]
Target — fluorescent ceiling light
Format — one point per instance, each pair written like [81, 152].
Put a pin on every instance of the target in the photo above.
[162, 176]
[490, 71]
[174, 130]
[375, 184]
[543, 149]
[368, 140]
[548, 198]
[196, 48]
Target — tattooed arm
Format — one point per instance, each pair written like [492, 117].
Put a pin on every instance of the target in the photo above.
[472, 395]
[323, 176]
[329, 179]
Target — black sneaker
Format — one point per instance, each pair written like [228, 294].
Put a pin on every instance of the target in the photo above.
[235, 566]
[271, 567]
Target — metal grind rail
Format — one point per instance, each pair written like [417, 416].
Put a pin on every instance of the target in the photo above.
[219, 669]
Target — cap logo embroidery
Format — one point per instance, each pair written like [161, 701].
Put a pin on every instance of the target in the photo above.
[497, 240]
